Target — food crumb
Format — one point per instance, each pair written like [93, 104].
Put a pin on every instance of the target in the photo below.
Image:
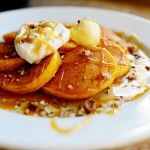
[147, 68]
[70, 87]
[17, 80]
[86, 52]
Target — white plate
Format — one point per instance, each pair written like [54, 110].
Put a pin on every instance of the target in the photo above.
[130, 125]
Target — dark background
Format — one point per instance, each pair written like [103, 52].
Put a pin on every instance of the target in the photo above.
[137, 7]
[13, 4]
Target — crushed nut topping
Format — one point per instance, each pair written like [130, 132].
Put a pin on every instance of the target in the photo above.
[131, 77]
[70, 87]
[147, 68]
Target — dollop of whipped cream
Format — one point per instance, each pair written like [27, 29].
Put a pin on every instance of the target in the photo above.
[39, 39]
[86, 33]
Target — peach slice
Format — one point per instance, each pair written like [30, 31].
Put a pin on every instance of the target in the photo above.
[30, 78]
[121, 58]
[6, 48]
[10, 63]
[112, 36]
[8, 57]
[67, 47]
[9, 37]
[83, 73]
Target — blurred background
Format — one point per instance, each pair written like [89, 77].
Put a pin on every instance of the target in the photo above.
[137, 7]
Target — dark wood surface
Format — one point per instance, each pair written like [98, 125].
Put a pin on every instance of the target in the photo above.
[137, 7]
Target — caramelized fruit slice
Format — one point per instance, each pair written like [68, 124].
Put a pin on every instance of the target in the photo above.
[30, 78]
[8, 57]
[121, 58]
[112, 36]
[67, 47]
[10, 37]
[83, 73]
[10, 63]
[6, 48]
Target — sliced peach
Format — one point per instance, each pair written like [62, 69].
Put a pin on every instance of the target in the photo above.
[67, 47]
[121, 58]
[112, 36]
[10, 37]
[83, 73]
[8, 57]
[6, 48]
[30, 78]
[10, 63]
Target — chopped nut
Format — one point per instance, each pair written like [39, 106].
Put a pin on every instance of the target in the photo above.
[22, 72]
[131, 77]
[90, 105]
[85, 52]
[132, 67]
[27, 111]
[62, 56]
[70, 87]
[132, 50]
[43, 113]
[147, 68]
[44, 103]
[106, 91]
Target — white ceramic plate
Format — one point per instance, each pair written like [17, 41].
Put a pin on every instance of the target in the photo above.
[130, 125]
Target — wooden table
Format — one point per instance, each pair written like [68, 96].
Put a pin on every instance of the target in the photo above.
[137, 7]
